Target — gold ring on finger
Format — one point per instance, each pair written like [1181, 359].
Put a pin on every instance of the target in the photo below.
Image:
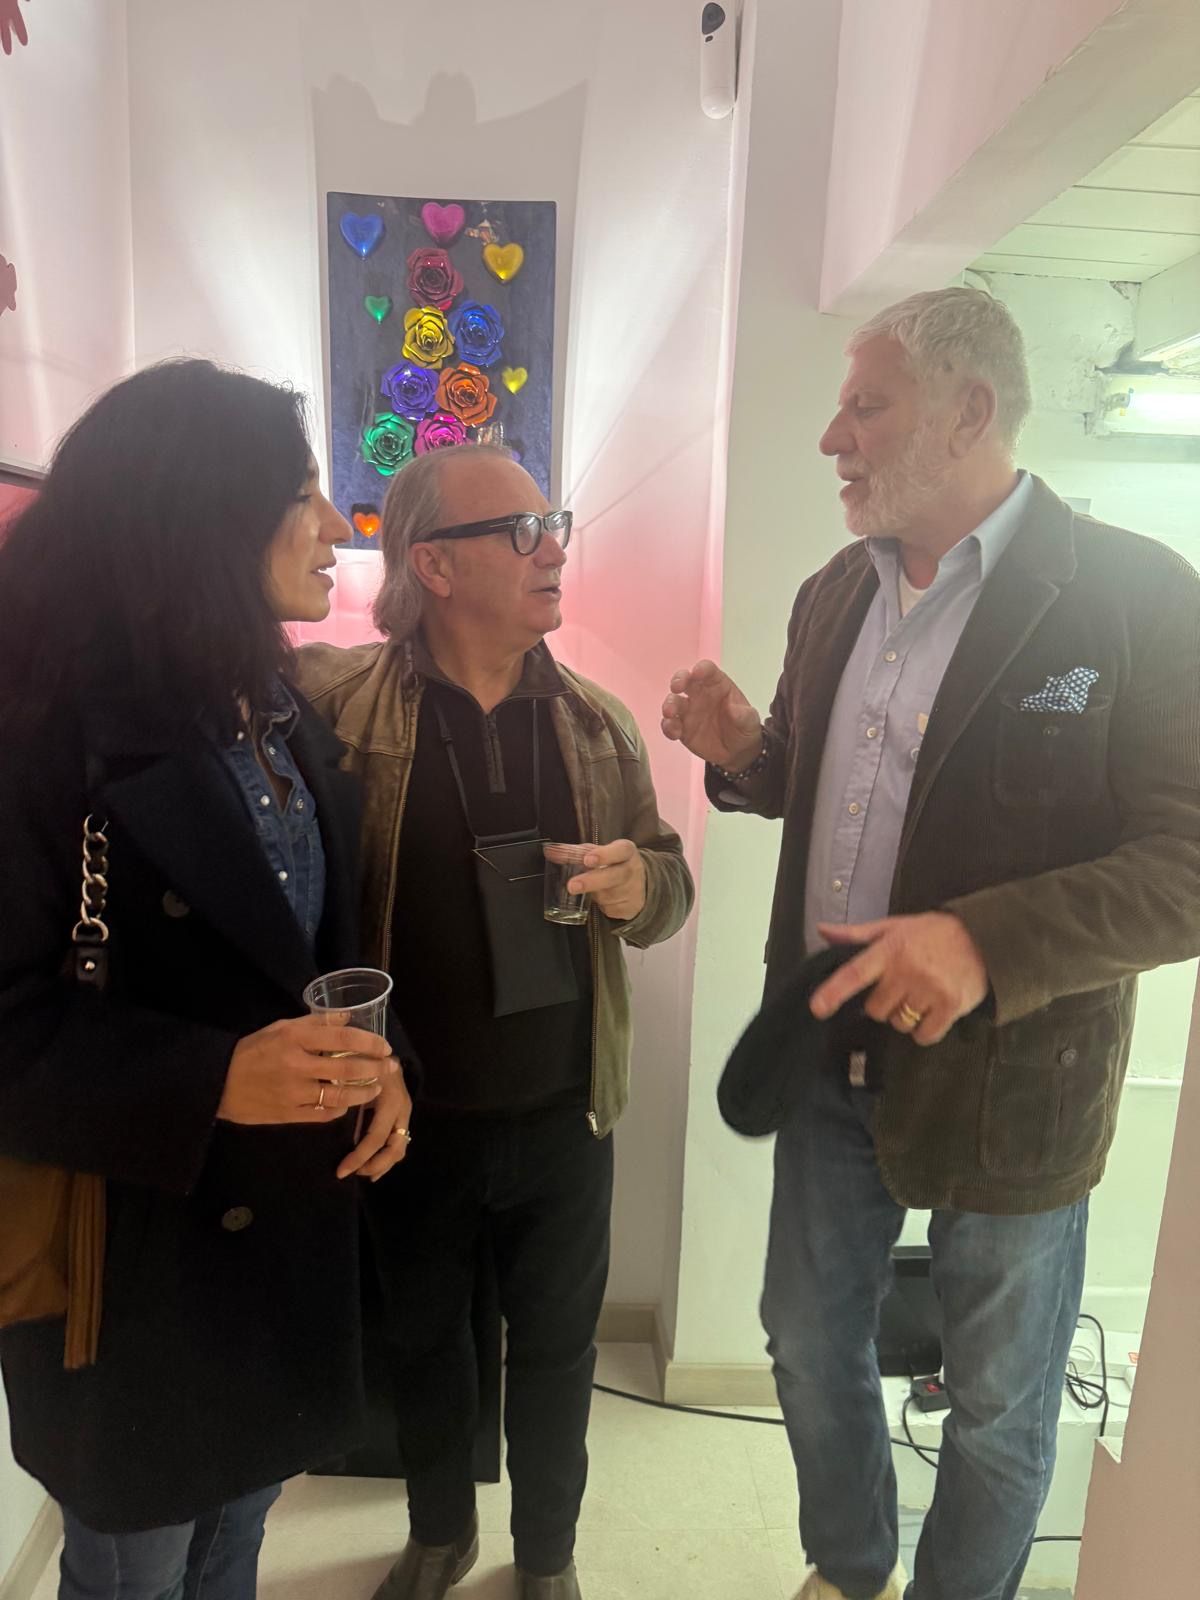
[908, 1016]
[320, 1106]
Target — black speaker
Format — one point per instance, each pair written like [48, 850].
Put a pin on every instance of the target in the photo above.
[910, 1322]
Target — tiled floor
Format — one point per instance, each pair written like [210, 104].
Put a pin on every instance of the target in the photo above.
[678, 1508]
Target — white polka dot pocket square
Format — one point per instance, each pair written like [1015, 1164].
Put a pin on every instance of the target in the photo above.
[1068, 693]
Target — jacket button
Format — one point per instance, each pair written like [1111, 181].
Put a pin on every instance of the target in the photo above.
[237, 1218]
[1068, 1058]
[174, 906]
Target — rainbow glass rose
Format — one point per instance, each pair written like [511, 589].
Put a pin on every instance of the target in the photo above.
[433, 279]
[427, 337]
[412, 390]
[478, 332]
[387, 443]
[439, 432]
[466, 393]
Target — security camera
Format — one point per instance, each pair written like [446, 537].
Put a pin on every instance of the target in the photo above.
[718, 61]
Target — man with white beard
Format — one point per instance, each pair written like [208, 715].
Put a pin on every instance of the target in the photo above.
[985, 748]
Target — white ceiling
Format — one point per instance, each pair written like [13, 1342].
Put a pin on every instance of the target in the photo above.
[1136, 214]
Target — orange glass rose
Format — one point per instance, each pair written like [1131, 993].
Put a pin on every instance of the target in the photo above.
[465, 393]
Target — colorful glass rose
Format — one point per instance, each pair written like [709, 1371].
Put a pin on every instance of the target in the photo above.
[387, 443]
[427, 337]
[478, 332]
[412, 390]
[439, 432]
[466, 393]
[433, 279]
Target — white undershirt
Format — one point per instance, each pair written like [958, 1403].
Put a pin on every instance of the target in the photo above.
[909, 594]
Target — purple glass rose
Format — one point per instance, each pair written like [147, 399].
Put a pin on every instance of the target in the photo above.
[411, 389]
[438, 432]
[477, 331]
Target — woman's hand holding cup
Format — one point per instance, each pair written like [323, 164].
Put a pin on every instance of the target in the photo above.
[282, 1073]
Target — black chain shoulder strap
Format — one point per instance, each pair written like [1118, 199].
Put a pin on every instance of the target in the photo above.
[89, 937]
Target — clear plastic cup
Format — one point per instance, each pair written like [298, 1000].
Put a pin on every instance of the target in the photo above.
[564, 862]
[356, 997]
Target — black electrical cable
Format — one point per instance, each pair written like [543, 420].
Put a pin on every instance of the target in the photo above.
[701, 1411]
[1088, 1394]
[1078, 1387]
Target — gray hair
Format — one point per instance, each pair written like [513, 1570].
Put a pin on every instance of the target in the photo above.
[961, 333]
[411, 512]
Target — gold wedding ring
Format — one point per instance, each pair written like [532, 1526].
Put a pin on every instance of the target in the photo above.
[320, 1105]
[909, 1017]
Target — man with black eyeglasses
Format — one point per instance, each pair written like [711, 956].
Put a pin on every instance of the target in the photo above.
[476, 749]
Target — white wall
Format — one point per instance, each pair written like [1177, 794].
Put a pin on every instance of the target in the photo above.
[956, 122]
[782, 522]
[922, 86]
[64, 223]
[64, 220]
[243, 116]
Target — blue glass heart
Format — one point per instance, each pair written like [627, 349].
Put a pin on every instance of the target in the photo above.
[362, 234]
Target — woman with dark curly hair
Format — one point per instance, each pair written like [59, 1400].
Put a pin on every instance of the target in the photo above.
[144, 687]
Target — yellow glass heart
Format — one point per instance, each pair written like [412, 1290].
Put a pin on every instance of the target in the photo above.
[504, 261]
[514, 378]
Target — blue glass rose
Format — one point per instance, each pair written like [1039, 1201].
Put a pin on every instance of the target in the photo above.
[477, 331]
[411, 389]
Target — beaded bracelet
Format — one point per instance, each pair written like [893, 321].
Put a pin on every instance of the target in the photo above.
[760, 764]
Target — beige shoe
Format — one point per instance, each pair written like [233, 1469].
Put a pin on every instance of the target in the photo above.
[817, 1588]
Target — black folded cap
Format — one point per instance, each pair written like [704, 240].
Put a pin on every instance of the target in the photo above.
[760, 1086]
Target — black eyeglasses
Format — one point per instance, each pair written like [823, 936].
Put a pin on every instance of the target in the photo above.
[524, 528]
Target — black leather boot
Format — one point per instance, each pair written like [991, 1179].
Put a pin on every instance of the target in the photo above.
[430, 1571]
[563, 1585]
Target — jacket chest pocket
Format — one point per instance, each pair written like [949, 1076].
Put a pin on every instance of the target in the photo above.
[1050, 758]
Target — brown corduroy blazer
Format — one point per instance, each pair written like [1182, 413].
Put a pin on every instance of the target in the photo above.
[1069, 845]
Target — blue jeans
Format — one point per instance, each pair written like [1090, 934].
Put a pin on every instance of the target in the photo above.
[1010, 1289]
[213, 1558]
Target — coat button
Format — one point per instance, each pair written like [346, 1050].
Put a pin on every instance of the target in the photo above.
[1068, 1058]
[174, 906]
[237, 1218]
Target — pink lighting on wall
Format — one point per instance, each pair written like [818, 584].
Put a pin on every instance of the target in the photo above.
[355, 582]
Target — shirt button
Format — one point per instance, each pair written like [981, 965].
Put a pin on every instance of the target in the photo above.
[916, 754]
[299, 805]
[872, 733]
[890, 656]
[264, 799]
[283, 877]
[237, 1218]
[837, 886]
[270, 749]
[854, 808]
[241, 738]
[1069, 1057]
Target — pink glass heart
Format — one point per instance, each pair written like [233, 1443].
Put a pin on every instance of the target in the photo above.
[443, 223]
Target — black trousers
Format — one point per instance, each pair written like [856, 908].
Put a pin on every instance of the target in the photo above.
[542, 1185]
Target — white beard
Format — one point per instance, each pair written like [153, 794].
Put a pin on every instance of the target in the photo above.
[899, 494]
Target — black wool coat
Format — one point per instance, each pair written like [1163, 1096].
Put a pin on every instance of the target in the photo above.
[230, 1343]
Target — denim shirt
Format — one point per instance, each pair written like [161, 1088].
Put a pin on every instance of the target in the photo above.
[289, 835]
[879, 718]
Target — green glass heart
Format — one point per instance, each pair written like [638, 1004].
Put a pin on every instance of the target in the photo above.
[379, 305]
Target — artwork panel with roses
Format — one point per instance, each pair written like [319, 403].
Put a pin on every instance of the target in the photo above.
[441, 331]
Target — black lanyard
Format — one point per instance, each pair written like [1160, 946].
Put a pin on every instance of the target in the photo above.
[448, 741]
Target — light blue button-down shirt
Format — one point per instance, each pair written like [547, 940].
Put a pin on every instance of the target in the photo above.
[879, 718]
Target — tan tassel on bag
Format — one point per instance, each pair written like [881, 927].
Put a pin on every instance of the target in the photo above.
[52, 1222]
